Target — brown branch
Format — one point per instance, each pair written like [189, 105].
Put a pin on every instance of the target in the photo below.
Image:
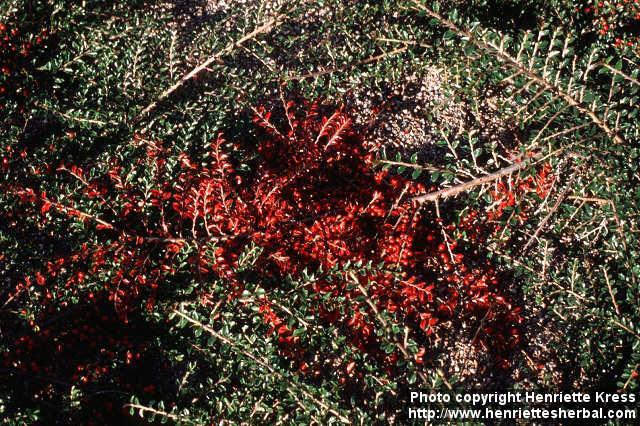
[596, 200]
[406, 42]
[264, 28]
[78, 119]
[564, 132]
[626, 384]
[152, 410]
[620, 73]
[625, 328]
[457, 189]
[413, 166]
[613, 299]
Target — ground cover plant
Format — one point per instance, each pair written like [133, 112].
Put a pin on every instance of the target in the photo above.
[293, 212]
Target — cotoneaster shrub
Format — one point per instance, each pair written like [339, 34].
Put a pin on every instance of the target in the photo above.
[310, 200]
[22, 48]
[281, 273]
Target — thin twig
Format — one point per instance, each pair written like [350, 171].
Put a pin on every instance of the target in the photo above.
[402, 346]
[413, 166]
[620, 73]
[84, 216]
[347, 67]
[407, 42]
[596, 200]
[578, 296]
[78, 119]
[580, 299]
[626, 384]
[613, 299]
[624, 327]
[152, 410]
[555, 207]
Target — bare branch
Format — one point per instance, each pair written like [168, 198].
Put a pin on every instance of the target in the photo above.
[457, 189]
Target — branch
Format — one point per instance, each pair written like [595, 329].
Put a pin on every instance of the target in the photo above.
[620, 73]
[260, 362]
[412, 166]
[347, 67]
[78, 119]
[144, 409]
[400, 345]
[514, 63]
[264, 28]
[555, 207]
[455, 190]
[70, 211]
[613, 299]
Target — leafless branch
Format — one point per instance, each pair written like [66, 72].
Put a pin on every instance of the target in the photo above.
[457, 189]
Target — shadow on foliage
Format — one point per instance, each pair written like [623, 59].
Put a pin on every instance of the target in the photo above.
[82, 365]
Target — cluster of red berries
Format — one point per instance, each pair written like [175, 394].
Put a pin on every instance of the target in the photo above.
[49, 350]
[614, 20]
